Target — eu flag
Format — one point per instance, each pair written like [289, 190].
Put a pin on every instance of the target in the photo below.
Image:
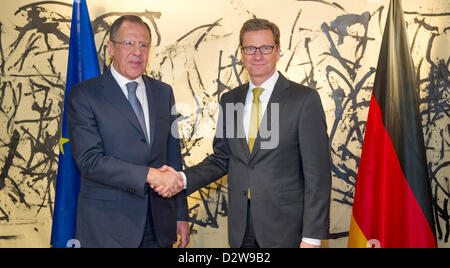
[82, 65]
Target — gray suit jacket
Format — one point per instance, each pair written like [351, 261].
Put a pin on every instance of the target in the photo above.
[290, 183]
[113, 156]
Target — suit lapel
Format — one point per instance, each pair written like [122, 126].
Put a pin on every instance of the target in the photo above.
[114, 95]
[278, 94]
[152, 106]
[241, 94]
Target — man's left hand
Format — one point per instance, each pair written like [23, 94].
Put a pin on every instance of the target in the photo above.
[184, 232]
[306, 245]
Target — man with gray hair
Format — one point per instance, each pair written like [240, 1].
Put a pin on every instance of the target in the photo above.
[119, 128]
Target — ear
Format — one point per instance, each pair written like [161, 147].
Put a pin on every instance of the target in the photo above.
[110, 48]
[278, 53]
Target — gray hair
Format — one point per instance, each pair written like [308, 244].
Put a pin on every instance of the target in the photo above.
[130, 18]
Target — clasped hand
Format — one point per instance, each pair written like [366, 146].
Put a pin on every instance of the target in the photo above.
[166, 181]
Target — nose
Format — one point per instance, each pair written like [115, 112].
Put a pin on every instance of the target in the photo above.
[258, 54]
[137, 50]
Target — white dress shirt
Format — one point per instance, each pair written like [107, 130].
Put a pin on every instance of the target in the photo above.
[141, 93]
[268, 86]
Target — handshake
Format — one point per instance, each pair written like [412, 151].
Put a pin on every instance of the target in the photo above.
[166, 181]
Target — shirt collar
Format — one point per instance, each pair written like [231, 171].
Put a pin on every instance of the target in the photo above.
[268, 86]
[122, 80]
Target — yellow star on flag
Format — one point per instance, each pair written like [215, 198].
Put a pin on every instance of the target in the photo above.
[62, 141]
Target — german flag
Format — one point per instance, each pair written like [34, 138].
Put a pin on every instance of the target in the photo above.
[392, 207]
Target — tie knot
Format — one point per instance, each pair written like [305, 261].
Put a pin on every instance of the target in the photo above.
[257, 91]
[131, 87]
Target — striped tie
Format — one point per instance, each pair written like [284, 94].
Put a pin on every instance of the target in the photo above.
[136, 105]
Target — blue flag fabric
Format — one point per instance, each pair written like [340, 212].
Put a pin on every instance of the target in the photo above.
[82, 65]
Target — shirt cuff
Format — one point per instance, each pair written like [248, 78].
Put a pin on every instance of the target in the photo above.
[184, 179]
[314, 242]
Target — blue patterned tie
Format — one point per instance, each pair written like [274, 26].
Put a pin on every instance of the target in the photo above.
[131, 87]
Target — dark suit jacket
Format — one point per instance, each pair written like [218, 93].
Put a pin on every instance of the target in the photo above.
[113, 156]
[290, 183]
